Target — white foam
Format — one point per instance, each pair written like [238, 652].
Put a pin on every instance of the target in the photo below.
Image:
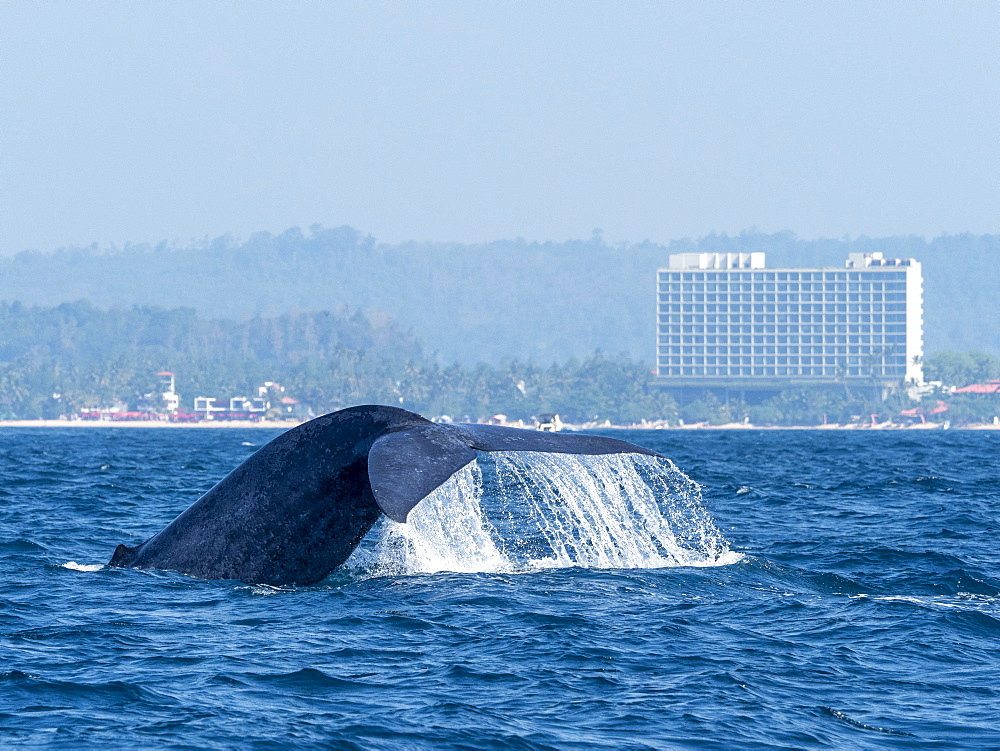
[449, 532]
[74, 566]
[987, 604]
[540, 511]
[263, 590]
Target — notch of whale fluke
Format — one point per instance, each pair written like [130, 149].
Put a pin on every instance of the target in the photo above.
[406, 466]
[298, 507]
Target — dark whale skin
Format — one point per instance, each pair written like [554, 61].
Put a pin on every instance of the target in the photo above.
[289, 514]
[298, 507]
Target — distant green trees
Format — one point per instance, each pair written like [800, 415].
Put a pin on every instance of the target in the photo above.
[70, 357]
[709, 408]
[74, 356]
[90, 357]
[961, 368]
[594, 389]
[972, 408]
[822, 405]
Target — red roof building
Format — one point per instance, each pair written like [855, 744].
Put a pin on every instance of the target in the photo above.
[990, 387]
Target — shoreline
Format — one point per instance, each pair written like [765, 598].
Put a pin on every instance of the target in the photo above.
[276, 424]
[288, 424]
[864, 427]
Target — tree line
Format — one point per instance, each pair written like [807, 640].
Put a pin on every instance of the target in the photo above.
[90, 357]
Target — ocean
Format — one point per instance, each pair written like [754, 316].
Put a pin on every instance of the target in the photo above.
[786, 589]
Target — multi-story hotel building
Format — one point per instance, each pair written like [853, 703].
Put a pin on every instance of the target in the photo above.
[724, 319]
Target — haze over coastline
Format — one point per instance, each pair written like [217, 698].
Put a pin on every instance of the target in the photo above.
[488, 302]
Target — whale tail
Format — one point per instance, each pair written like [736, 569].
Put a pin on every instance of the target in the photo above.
[298, 507]
[406, 466]
[123, 556]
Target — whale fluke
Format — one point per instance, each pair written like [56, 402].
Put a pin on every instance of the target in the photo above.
[298, 507]
[406, 466]
[500, 438]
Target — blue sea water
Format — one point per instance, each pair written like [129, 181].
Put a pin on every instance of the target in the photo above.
[863, 612]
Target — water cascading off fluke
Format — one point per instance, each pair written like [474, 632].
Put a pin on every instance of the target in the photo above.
[521, 511]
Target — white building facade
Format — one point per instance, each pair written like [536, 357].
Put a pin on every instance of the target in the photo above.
[726, 319]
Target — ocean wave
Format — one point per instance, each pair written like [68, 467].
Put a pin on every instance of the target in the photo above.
[88, 567]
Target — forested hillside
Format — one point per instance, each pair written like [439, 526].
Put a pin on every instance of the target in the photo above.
[329, 360]
[91, 356]
[541, 303]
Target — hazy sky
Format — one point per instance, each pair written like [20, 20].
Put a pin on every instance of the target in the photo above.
[149, 121]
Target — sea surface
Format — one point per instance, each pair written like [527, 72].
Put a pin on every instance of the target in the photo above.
[823, 589]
